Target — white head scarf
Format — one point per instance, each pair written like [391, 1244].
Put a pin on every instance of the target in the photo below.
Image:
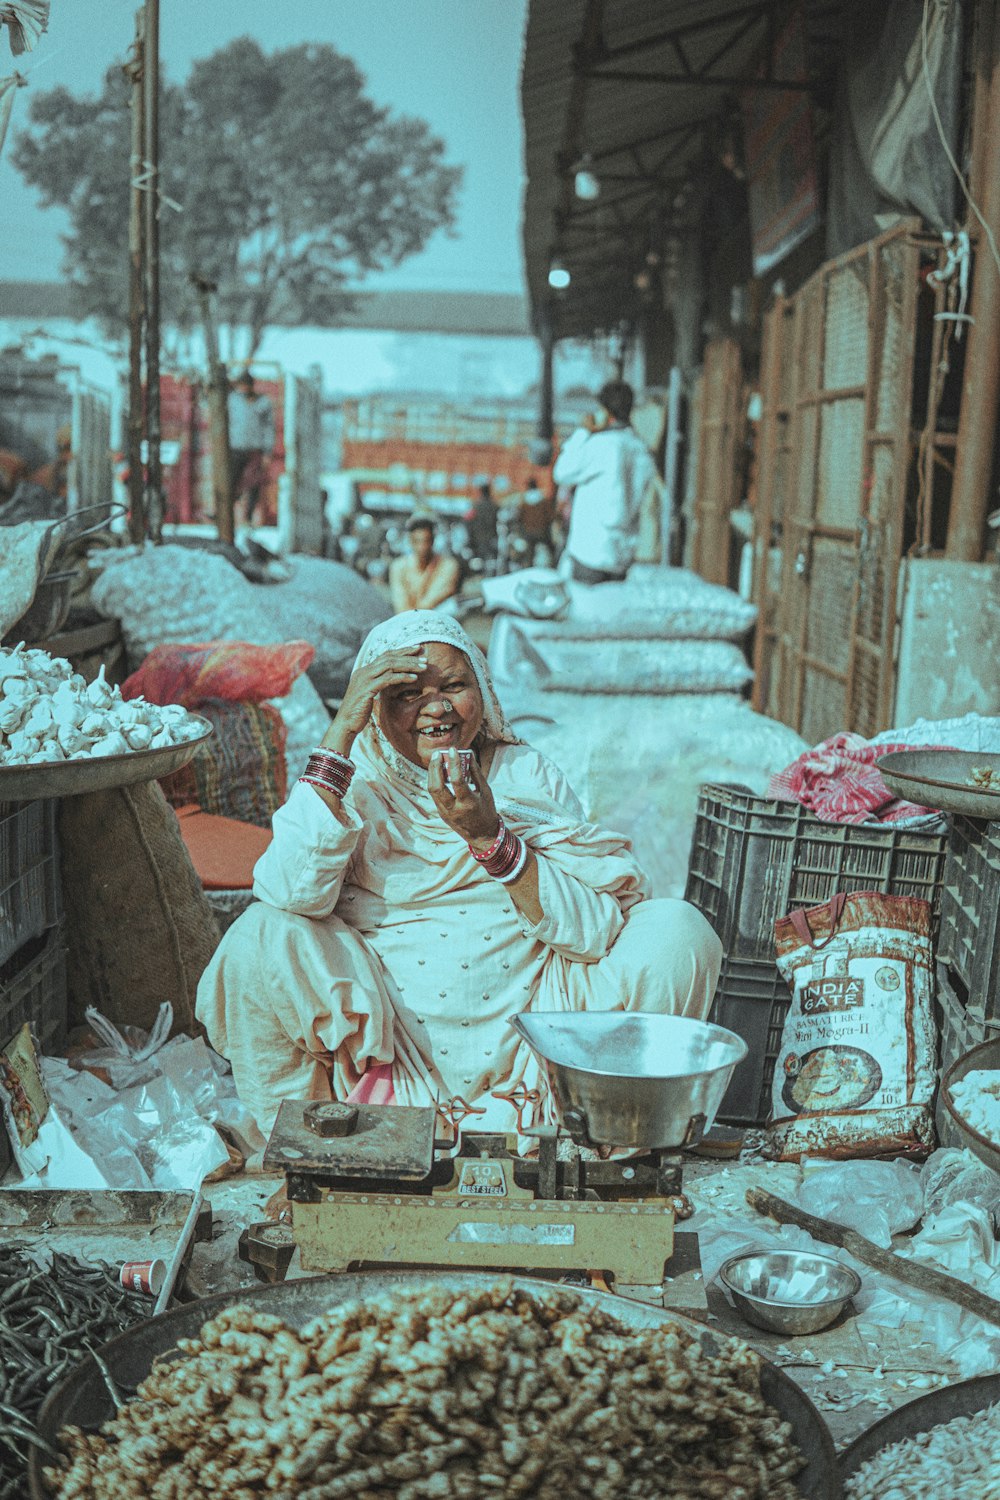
[533, 811]
[414, 627]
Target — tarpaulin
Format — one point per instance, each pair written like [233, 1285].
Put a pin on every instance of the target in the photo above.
[887, 160]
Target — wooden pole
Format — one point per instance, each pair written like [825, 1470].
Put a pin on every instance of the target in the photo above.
[136, 299]
[970, 491]
[541, 449]
[218, 415]
[154, 473]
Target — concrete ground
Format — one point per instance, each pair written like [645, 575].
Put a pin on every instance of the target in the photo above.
[853, 1372]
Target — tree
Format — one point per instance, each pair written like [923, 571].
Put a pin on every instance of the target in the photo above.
[289, 184]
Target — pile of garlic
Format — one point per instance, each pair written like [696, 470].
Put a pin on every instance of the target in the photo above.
[48, 713]
[977, 1099]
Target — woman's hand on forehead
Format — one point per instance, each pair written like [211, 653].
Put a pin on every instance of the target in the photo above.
[391, 669]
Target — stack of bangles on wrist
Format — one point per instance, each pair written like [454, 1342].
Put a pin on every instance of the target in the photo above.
[506, 857]
[328, 771]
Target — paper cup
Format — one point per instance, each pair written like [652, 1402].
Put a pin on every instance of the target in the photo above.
[143, 1276]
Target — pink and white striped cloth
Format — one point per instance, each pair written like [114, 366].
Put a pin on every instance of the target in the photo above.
[839, 781]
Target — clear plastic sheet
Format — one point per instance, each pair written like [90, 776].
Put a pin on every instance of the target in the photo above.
[957, 1239]
[951, 1176]
[153, 1125]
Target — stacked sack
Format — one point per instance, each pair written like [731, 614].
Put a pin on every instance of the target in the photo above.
[662, 631]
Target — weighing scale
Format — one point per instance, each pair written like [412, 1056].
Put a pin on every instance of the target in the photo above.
[396, 1185]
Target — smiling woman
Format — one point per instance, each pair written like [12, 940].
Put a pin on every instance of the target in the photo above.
[408, 905]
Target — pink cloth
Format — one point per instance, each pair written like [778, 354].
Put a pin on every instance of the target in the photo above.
[840, 782]
[374, 1086]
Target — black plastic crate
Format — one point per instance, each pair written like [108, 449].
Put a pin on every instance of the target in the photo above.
[33, 988]
[30, 891]
[754, 859]
[751, 999]
[969, 939]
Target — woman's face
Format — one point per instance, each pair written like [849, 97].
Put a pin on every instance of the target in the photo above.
[442, 710]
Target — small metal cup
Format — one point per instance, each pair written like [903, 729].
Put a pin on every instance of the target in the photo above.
[467, 760]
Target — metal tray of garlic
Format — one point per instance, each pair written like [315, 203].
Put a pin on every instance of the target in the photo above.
[61, 736]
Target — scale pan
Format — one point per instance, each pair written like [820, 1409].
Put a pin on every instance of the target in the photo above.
[620, 1078]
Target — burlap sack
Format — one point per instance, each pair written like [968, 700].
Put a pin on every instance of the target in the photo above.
[240, 770]
[139, 929]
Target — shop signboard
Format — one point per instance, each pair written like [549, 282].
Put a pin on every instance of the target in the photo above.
[779, 149]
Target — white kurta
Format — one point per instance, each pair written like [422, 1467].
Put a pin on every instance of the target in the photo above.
[378, 941]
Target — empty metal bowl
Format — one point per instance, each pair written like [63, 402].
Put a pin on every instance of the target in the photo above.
[789, 1291]
[622, 1078]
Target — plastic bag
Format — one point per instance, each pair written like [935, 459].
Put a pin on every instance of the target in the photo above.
[233, 671]
[877, 1198]
[952, 1176]
[202, 1079]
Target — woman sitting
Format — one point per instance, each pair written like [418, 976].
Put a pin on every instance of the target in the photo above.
[406, 909]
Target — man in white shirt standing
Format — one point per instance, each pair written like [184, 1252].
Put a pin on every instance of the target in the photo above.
[251, 442]
[610, 469]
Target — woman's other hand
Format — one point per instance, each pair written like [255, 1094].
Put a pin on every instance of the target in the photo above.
[392, 669]
[466, 806]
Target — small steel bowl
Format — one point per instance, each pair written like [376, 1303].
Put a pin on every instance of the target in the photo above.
[789, 1291]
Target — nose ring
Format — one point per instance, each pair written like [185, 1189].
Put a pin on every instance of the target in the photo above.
[446, 705]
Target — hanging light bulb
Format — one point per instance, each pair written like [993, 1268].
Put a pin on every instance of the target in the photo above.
[586, 183]
[559, 277]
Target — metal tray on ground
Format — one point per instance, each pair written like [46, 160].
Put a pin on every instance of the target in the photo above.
[83, 1401]
[71, 778]
[986, 1056]
[112, 1226]
[939, 779]
[963, 1399]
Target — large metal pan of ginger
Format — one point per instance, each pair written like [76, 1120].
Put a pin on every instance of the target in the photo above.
[453, 1387]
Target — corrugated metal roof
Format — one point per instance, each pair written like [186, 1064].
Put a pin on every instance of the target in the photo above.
[584, 93]
[481, 313]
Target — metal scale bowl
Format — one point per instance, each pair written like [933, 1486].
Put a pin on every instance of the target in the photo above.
[375, 1185]
[620, 1078]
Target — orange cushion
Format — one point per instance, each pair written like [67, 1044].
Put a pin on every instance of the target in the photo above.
[222, 850]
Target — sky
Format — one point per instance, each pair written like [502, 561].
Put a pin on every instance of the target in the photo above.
[455, 63]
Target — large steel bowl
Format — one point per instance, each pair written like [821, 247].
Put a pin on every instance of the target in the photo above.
[963, 1399]
[100, 773]
[82, 1399]
[621, 1078]
[940, 779]
[986, 1057]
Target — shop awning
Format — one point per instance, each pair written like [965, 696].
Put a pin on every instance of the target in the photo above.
[632, 91]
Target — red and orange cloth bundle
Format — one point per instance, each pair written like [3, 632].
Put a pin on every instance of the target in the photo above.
[227, 794]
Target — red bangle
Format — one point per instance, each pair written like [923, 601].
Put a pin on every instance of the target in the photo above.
[325, 762]
[520, 860]
[508, 859]
[489, 853]
[329, 770]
